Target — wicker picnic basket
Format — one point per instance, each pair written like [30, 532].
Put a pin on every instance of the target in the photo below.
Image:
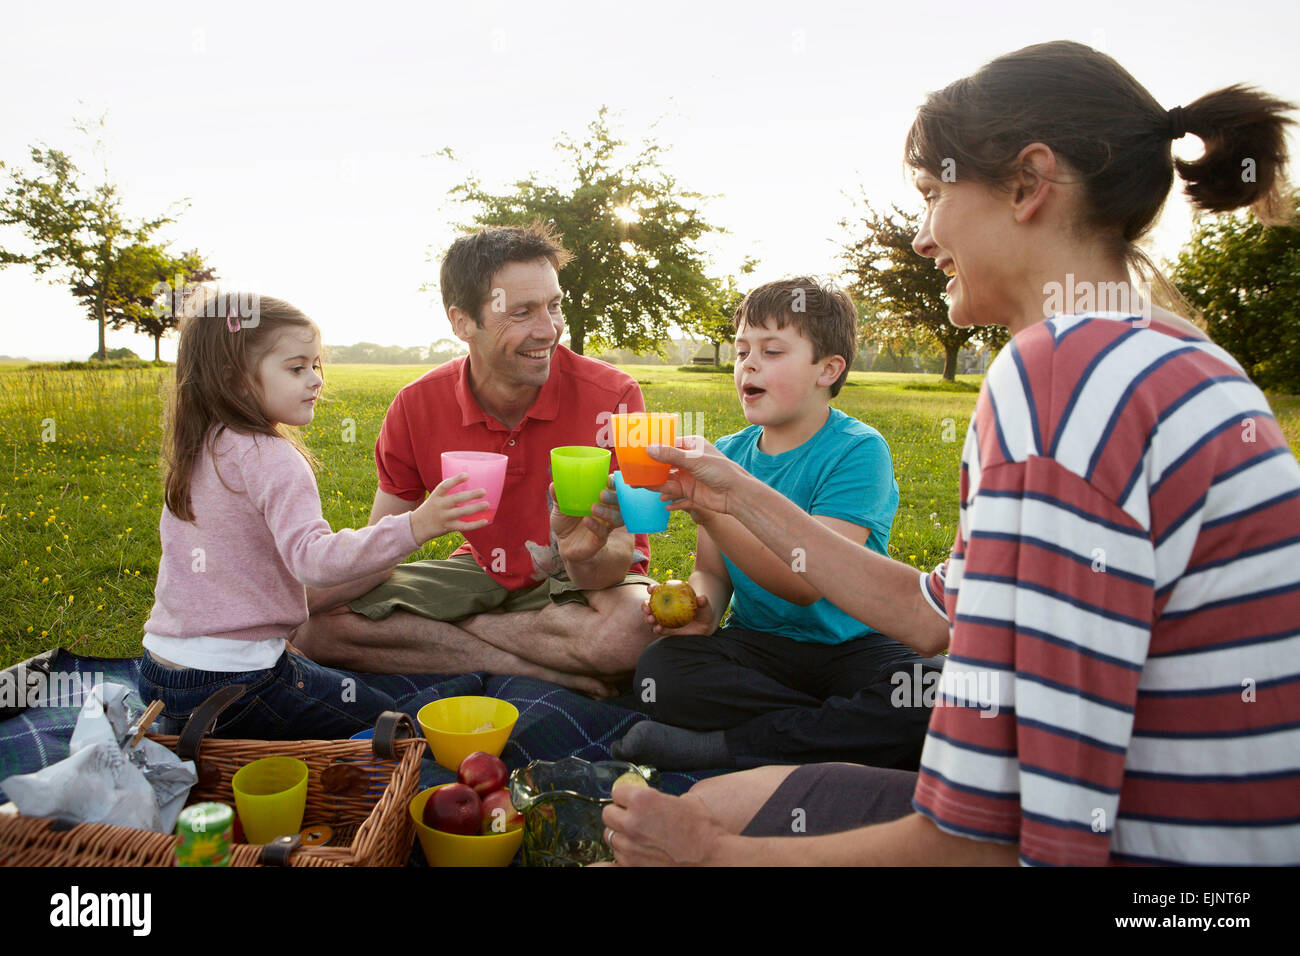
[359, 788]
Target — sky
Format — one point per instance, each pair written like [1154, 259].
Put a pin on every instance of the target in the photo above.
[303, 138]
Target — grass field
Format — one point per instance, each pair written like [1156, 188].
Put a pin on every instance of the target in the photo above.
[79, 511]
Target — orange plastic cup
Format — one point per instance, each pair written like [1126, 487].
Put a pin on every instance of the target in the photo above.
[633, 432]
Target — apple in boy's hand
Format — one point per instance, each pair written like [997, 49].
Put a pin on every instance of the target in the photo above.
[499, 813]
[454, 808]
[483, 772]
[673, 604]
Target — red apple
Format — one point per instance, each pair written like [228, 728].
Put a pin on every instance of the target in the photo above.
[483, 772]
[454, 808]
[499, 814]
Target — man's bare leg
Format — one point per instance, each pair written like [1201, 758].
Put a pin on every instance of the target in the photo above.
[603, 638]
[405, 643]
[602, 641]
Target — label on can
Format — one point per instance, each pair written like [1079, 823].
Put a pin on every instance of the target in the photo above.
[205, 835]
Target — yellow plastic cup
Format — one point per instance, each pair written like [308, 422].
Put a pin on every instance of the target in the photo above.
[633, 432]
[580, 473]
[270, 796]
[452, 849]
[451, 726]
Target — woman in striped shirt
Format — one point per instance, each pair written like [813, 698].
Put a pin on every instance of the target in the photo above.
[1122, 603]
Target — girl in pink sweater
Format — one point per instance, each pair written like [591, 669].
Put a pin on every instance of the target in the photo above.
[243, 536]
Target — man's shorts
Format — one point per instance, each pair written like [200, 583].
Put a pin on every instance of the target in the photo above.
[458, 588]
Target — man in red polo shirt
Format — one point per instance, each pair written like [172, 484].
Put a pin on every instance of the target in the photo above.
[535, 592]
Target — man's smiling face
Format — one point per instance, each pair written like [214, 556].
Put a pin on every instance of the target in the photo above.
[521, 327]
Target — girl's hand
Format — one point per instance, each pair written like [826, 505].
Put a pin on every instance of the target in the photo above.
[702, 477]
[442, 511]
[702, 624]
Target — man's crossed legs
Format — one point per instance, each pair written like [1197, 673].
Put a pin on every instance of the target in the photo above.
[585, 640]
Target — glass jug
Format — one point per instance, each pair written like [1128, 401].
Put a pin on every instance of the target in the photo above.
[561, 802]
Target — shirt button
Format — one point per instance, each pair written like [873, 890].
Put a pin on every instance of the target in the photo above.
[511, 442]
[300, 685]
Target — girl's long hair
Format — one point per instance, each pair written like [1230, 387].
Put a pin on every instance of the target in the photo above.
[223, 338]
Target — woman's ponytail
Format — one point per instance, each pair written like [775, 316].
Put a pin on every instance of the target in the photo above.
[1244, 132]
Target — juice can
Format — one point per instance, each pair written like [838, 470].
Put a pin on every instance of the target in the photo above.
[205, 832]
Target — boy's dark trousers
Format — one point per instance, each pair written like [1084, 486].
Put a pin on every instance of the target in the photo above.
[786, 701]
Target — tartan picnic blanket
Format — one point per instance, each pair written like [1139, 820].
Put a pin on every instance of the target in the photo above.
[553, 722]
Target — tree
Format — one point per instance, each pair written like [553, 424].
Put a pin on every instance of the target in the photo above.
[444, 350]
[902, 292]
[715, 320]
[632, 231]
[78, 231]
[1244, 278]
[147, 291]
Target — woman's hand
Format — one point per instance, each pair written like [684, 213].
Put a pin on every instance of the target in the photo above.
[442, 512]
[702, 477]
[647, 828]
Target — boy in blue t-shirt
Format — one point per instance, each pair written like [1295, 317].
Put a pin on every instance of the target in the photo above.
[791, 678]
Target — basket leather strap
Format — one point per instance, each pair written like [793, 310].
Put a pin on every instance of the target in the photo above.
[203, 718]
[384, 744]
[279, 850]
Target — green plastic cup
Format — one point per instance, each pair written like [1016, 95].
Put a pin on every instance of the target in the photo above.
[270, 795]
[580, 473]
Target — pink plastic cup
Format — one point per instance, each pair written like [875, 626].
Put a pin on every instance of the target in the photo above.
[485, 469]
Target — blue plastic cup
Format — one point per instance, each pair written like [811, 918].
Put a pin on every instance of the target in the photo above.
[643, 512]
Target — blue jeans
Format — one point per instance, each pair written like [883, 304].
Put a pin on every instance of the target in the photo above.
[297, 699]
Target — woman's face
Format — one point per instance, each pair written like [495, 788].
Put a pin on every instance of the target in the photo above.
[969, 233]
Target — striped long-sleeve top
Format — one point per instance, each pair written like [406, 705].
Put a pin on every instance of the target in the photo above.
[1123, 682]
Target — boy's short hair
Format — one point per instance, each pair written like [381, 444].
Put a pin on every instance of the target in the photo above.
[473, 259]
[822, 314]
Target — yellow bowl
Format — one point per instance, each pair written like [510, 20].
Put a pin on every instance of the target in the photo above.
[452, 849]
[448, 726]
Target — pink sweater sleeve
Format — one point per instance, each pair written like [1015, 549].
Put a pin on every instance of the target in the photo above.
[281, 485]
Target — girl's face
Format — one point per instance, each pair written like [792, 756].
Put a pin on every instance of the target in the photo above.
[290, 376]
[969, 233]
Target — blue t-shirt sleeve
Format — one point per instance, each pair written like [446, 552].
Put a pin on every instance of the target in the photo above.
[859, 487]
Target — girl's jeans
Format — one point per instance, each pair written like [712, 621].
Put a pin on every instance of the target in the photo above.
[297, 699]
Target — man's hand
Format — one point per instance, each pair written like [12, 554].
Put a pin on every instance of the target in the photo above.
[702, 478]
[650, 828]
[580, 539]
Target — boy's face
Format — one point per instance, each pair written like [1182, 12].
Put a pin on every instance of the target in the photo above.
[776, 378]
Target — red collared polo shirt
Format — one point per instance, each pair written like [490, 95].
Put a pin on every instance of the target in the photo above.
[438, 412]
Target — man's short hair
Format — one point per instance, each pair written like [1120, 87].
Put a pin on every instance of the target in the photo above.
[473, 259]
[823, 314]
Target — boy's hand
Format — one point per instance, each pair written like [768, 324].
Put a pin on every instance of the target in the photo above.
[580, 539]
[702, 478]
[442, 512]
[703, 623]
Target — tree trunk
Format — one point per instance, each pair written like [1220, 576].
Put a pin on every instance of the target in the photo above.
[950, 362]
[717, 354]
[576, 338]
[157, 341]
[103, 349]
